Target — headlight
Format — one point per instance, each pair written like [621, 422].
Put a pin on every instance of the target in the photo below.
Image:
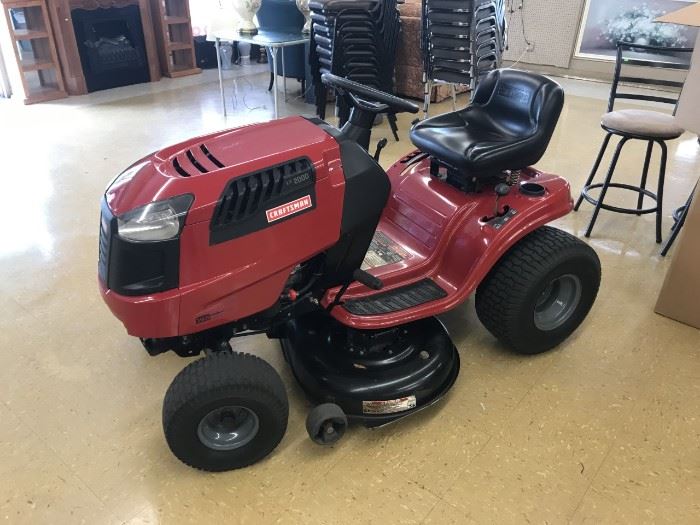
[157, 221]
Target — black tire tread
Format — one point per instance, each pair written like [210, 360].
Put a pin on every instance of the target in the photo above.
[224, 372]
[501, 293]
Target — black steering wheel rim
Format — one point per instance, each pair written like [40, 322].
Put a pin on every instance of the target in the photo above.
[368, 94]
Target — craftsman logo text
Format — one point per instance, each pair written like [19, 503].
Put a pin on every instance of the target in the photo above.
[280, 212]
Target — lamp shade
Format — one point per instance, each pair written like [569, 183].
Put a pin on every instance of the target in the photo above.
[223, 21]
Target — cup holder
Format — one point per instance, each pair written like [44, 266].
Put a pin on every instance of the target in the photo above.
[532, 189]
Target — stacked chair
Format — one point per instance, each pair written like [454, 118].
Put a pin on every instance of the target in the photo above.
[355, 39]
[462, 41]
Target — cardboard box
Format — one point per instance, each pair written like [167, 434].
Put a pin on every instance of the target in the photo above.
[680, 295]
[688, 113]
[688, 16]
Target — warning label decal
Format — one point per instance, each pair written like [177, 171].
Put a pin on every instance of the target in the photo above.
[389, 407]
[382, 251]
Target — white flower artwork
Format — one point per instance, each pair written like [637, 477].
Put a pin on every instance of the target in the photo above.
[606, 23]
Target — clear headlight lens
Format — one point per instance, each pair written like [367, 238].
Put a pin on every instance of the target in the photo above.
[157, 221]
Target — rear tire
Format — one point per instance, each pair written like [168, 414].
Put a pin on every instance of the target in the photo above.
[225, 411]
[540, 291]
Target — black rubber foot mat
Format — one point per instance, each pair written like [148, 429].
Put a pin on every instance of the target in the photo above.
[395, 300]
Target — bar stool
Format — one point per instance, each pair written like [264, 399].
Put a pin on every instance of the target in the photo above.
[650, 126]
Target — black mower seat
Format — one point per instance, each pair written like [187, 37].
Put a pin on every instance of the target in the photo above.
[508, 126]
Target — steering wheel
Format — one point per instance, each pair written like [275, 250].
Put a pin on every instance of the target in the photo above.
[367, 98]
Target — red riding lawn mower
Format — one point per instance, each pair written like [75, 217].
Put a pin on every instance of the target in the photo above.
[293, 230]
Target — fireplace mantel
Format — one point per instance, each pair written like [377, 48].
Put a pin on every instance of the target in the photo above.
[60, 11]
[100, 4]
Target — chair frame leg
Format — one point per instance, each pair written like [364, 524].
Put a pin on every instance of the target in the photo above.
[679, 225]
[645, 174]
[604, 190]
[284, 76]
[660, 192]
[272, 81]
[596, 165]
[428, 91]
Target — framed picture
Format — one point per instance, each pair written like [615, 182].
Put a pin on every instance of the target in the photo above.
[606, 22]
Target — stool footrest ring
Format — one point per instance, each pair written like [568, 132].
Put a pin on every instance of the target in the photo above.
[617, 209]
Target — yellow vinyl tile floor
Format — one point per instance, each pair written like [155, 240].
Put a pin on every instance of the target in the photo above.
[605, 429]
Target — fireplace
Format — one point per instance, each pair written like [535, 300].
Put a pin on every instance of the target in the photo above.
[74, 60]
[111, 45]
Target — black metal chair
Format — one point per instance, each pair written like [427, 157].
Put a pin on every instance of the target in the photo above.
[355, 39]
[651, 126]
[284, 17]
[461, 42]
[679, 217]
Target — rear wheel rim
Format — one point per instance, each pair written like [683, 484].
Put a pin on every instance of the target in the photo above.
[228, 428]
[557, 302]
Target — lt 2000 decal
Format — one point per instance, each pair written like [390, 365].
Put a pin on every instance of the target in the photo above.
[285, 210]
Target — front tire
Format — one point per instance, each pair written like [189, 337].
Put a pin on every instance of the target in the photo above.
[539, 293]
[225, 412]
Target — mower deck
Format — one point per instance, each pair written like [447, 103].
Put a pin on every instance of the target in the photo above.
[375, 378]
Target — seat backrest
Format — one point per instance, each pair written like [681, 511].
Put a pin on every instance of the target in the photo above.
[521, 104]
[668, 58]
[280, 15]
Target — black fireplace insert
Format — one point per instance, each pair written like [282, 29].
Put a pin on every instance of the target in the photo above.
[112, 46]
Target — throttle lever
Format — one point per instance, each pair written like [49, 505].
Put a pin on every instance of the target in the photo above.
[501, 191]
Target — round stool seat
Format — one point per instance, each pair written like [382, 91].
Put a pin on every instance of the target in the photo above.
[642, 123]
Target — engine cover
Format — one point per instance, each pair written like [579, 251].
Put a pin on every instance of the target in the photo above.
[266, 198]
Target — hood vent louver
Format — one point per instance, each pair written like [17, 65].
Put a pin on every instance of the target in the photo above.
[184, 164]
[211, 156]
[180, 169]
[195, 162]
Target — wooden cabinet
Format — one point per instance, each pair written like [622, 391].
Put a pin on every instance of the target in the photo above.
[35, 50]
[174, 37]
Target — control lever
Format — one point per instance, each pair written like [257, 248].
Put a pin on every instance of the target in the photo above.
[362, 277]
[501, 191]
[380, 146]
[369, 280]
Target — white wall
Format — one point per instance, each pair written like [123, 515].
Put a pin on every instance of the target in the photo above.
[551, 26]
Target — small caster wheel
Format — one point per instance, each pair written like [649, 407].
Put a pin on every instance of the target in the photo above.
[326, 424]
